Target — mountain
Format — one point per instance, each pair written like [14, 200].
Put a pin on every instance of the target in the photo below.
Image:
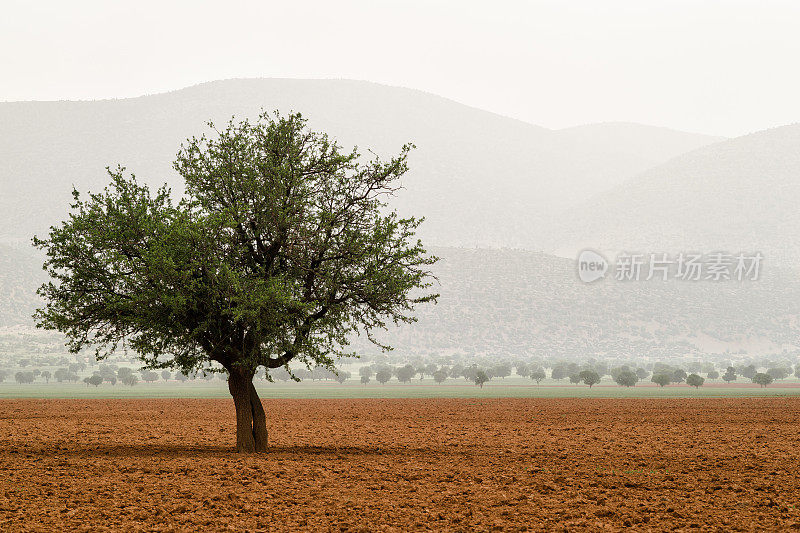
[512, 304]
[739, 195]
[20, 275]
[509, 303]
[479, 178]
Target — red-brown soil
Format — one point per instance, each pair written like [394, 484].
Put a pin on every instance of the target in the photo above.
[449, 464]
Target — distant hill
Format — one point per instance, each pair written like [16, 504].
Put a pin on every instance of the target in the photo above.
[509, 303]
[479, 178]
[737, 195]
[20, 275]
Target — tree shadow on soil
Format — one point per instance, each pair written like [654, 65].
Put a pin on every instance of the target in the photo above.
[181, 450]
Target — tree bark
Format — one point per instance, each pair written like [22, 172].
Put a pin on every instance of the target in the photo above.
[259, 420]
[239, 385]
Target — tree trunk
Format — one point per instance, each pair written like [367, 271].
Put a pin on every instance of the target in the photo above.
[259, 420]
[251, 422]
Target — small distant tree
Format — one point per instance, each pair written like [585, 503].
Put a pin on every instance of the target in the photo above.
[469, 372]
[661, 379]
[614, 371]
[110, 379]
[46, 375]
[364, 379]
[165, 375]
[24, 377]
[575, 378]
[130, 380]
[480, 378]
[558, 373]
[778, 373]
[679, 376]
[439, 376]
[456, 371]
[589, 377]
[95, 379]
[523, 370]
[538, 375]
[502, 371]
[342, 376]
[712, 374]
[149, 376]
[729, 375]
[3, 375]
[281, 374]
[748, 371]
[124, 372]
[626, 378]
[405, 373]
[366, 370]
[180, 376]
[422, 370]
[762, 379]
[642, 374]
[383, 376]
[694, 380]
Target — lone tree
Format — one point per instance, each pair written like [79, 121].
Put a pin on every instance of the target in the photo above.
[695, 380]
[281, 248]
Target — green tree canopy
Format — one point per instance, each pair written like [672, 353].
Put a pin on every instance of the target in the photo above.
[480, 378]
[589, 377]
[661, 379]
[626, 378]
[762, 379]
[282, 247]
[695, 380]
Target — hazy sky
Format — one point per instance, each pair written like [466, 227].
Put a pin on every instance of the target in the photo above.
[723, 67]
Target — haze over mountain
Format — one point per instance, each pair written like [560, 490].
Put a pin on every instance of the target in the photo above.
[505, 303]
[739, 195]
[515, 303]
[480, 179]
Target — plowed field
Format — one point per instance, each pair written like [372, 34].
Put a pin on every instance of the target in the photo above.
[367, 465]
